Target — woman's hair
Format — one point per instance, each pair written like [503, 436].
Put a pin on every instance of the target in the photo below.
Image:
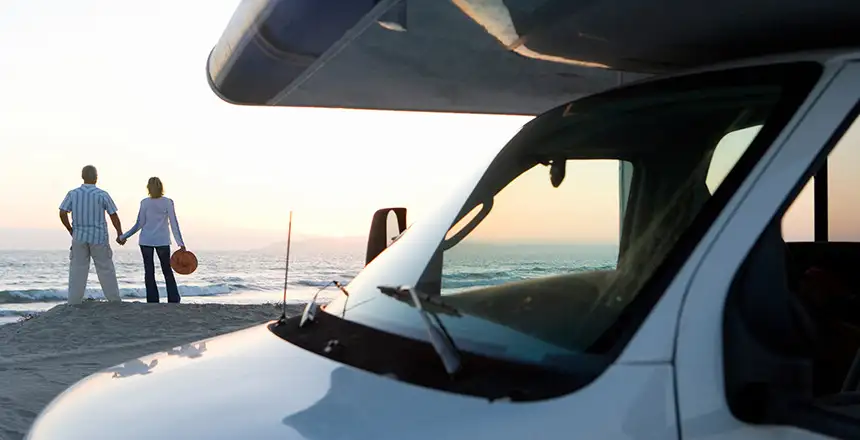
[155, 187]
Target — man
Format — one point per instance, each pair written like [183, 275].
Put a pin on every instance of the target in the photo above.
[88, 229]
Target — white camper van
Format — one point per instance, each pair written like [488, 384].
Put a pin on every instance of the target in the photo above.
[709, 324]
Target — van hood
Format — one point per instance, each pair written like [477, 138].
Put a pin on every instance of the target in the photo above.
[253, 385]
[249, 384]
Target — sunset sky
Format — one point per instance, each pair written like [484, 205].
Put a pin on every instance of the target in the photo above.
[121, 85]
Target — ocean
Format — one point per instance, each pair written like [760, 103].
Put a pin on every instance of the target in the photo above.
[35, 281]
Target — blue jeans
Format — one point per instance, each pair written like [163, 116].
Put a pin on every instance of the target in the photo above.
[149, 273]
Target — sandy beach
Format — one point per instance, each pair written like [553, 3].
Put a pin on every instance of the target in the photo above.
[41, 357]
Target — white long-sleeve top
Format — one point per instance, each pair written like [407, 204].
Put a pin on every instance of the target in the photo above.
[153, 219]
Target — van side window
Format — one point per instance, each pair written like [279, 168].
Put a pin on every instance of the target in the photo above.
[730, 148]
[797, 223]
[843, 198]
[798, 296]
[843, 189]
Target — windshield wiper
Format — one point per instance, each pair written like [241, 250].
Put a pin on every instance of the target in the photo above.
[432, 304]
[440, 339]
[312, 307]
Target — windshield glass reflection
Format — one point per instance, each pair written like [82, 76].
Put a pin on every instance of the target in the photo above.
[559, 236]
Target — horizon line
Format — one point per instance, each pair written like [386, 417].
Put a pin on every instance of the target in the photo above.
[270, 247]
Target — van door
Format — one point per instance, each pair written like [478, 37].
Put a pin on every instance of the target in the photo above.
[738, 372]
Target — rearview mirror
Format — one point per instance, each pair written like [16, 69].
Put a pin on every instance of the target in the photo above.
[383, 232]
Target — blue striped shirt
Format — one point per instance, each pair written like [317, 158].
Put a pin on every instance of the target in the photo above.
[88, 205]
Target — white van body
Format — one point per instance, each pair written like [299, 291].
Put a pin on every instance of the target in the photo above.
[668, 381]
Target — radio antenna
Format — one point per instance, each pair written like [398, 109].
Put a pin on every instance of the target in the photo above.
[287, 270]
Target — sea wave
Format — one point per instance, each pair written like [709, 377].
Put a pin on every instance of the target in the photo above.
[16, 313]
[33, 290]
[483, 275]
[320, 283]
[53, 295]
[465, 284]
[226, 286]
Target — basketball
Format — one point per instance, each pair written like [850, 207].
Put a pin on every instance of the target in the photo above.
[183, 262]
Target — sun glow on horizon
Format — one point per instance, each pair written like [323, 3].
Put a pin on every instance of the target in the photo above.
[124, 88]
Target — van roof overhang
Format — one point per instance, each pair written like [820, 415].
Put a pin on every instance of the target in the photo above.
[495, 56]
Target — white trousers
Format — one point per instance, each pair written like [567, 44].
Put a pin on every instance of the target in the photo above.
[79, 269]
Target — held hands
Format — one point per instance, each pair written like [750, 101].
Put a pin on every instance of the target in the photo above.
[121, 240]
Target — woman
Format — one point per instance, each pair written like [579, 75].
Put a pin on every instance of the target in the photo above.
[155, 216]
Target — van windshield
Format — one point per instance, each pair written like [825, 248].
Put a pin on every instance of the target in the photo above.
[573, 231]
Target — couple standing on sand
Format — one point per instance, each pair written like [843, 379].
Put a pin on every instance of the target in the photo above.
[89, 232]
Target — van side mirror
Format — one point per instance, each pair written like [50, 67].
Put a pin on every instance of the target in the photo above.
[383, 232]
